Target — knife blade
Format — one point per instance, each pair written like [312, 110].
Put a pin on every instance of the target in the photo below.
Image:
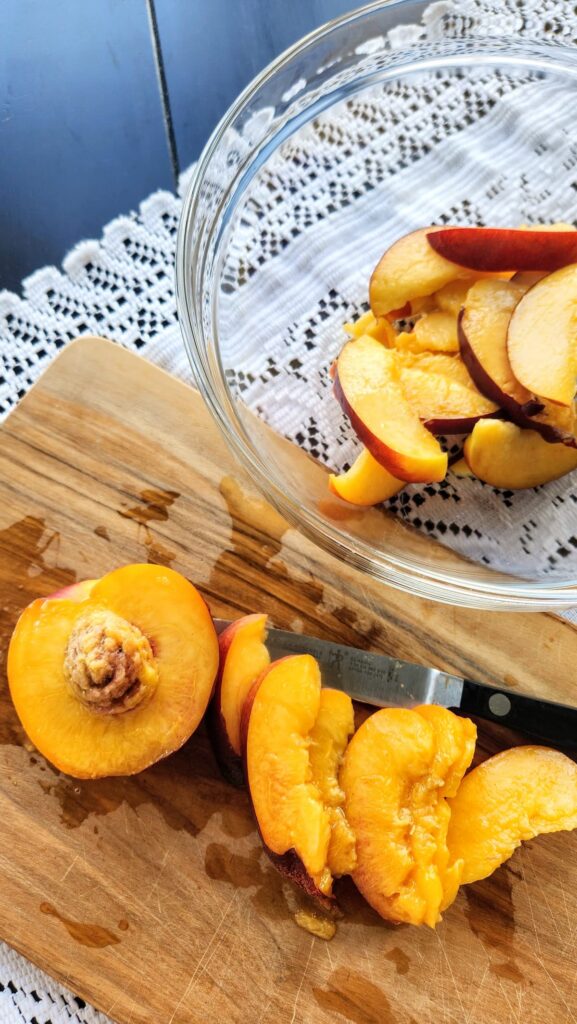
[383, 681]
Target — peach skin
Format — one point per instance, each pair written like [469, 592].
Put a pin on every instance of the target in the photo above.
[505, 249]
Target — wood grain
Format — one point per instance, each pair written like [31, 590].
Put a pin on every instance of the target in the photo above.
[150, 896]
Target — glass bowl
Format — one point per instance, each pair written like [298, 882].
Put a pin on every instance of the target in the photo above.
[374, 125]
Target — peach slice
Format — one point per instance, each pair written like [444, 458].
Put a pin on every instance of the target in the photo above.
[380, 329]
[515, 795]
[399, 770]
[410, 269]
[504, 249]
[451, 298]
[243, 656]
[442, 392]
[111, 683]
[368, 386]
[542, 336]
[504, 455]
[461, 469]
[483, 326]
[294, 736]
[433, 332]
[366, 482]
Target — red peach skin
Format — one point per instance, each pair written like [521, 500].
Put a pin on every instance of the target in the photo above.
[501, 250]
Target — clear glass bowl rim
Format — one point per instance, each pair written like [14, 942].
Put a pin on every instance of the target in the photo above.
[497, 592]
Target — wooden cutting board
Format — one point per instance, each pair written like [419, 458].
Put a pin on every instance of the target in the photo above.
[150, 896]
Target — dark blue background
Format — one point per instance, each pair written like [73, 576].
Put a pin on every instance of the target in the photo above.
[83, 135]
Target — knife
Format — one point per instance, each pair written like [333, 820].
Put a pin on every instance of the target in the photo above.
[388, 682]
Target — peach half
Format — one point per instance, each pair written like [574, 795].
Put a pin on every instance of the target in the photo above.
[109, 678]
[243, 656]
[542, 336]
[366, 482]
[504, 455]
[515, 795]
[400, 768]
[369, 388]
[294, 737]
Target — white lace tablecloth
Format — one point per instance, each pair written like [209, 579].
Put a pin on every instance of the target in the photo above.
[122, 287]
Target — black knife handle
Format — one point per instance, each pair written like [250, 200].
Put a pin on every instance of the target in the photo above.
[553, 724]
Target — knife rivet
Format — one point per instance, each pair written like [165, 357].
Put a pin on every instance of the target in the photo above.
[499, 704]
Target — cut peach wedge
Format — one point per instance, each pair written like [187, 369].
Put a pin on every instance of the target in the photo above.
[504, 455]
[294, 736]
[451, 298]
[380, 329]
[437, 332]
[442, 392]
[504, 249]
[410, 269]
[515, 795]
[366, 482]
[400, 768]
[243, 657]
[110, 683]
[483, 326]
[542, 336]
[368, 385]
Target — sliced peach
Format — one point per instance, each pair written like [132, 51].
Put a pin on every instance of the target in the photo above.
[461, 469]
[366, 482]
[556, 423]
[451, 298]
[483, 326]
[515, 795]
[504, 249]
[110, 684]
[434, 332]
[442, 392]
[243, 656]
[369, 388]
[328, 740]
[380, 329]
[399, 769]
[294, 736]
[410, 269]
[542, 336]
[504, 455]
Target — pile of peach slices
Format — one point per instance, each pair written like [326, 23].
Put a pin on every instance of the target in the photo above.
[470, 331]
[110, 675]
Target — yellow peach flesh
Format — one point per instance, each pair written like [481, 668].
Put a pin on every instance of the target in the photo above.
[366, 482]
[515, 795]
[374, 398]
[542, 337]
[399, 769]
[504, 455]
